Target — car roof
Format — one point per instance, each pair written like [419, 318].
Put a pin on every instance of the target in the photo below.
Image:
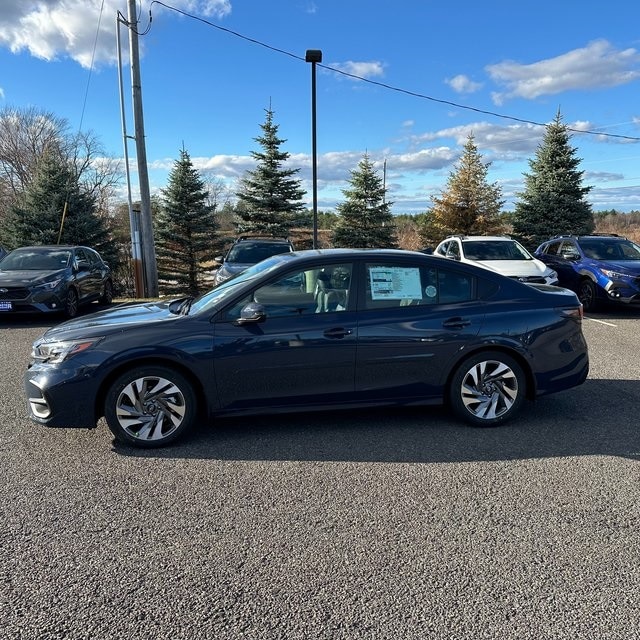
[262, 239]
[478, 238]
[600, 236]
[55, 247]
[342, 252]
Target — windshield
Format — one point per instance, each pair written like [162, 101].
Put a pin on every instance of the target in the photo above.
[599, 249]
[229, 287]
[252, 252]
[495, 250]
[36, 260]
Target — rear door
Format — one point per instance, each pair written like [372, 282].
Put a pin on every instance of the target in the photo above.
[413, 322]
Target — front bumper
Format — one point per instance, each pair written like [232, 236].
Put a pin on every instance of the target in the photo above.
[620, 291]
[60, 398]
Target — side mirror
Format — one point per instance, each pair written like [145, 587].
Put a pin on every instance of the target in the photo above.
[219, 259]
[572, 257]
[252, 313]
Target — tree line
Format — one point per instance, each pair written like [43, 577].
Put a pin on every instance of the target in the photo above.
[57, 188]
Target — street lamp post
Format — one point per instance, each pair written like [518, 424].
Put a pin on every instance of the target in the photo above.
[314, 56]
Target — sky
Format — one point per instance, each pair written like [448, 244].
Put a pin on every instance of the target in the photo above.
[405, 82]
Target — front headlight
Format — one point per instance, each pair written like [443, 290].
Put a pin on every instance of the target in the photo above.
[221, 276]
[59, 351]
[615, 275]
[48, 286]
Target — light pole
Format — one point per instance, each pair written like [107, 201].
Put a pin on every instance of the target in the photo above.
[314, 56]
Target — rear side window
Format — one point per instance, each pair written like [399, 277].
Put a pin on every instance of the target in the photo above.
[394, 285]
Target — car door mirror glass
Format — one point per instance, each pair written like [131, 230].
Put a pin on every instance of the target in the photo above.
[253, 312]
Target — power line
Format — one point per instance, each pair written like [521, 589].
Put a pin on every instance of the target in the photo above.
[383, 85]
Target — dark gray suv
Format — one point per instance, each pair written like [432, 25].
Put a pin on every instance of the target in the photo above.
[247, 251]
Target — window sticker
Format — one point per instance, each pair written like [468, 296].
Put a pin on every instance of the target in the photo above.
[431, 291]
[397, 283]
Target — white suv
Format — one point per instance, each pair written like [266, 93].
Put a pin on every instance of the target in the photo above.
[501, 254]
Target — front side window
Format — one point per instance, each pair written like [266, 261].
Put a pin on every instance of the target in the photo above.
[317, 290]
[392, 285]
[453, 251]
[569, 250]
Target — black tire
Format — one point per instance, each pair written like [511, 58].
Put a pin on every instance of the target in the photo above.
[107, 293]
[587, 294]
[71, 303]
[488, 389]
[150, 406]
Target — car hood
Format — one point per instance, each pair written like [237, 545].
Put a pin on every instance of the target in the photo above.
[112, 320]
[515, 268]
[28, 277]
[236, 267]
[629, 266]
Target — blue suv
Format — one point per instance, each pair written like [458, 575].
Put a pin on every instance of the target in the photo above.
[597, 267]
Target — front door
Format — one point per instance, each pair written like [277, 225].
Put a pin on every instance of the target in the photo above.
[303, 352]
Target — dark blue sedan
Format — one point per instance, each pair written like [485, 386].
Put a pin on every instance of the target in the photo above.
[313, 330]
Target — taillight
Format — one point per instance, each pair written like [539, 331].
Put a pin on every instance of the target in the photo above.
[577, 313]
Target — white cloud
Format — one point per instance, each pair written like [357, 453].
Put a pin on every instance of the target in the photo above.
[463, 84]
[596, 66]
[512, 141]
[53, 28]
[372, 69]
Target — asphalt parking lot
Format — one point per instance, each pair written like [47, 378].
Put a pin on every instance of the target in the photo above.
[378, 524]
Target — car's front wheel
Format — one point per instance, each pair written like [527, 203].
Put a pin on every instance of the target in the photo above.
[587, 295]
[488, 389]
[150, 406]
[71, 303]
[106, 297]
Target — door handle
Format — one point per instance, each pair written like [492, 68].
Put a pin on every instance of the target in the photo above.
[456, 323]
[338, 332]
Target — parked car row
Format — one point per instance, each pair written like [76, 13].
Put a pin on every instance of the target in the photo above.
[53, 279]
[599, 268]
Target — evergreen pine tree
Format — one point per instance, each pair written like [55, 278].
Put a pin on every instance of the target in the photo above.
[469, 205]
[54, 209]
[270, 198]
[186, 226]
[364, 218]
[553, 201]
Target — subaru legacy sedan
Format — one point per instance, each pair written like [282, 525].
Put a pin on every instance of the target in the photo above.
[53, 279]
[312, 330]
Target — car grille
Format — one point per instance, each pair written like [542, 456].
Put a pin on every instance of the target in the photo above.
[13, 293]
[529, 279]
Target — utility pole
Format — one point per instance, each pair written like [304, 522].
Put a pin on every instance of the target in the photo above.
[146, 225]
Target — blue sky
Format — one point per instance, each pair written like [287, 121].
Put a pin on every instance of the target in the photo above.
[437, 70]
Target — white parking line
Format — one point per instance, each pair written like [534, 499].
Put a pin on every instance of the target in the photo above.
[609, 324]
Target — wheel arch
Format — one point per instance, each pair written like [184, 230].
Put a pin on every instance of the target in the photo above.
[513, 353]
[122, 367]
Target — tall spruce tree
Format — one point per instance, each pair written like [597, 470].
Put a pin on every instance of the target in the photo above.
[56, 209]
[270, 198]
[469, 205]
[364, 218]
[186, 227]
[553, 200]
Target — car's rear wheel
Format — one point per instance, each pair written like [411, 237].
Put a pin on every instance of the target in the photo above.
[71, 303]
[587, 295]
[150, 406]
[107, 293]
[488, 389]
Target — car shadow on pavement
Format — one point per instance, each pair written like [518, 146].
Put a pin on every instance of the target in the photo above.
[598, 418]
